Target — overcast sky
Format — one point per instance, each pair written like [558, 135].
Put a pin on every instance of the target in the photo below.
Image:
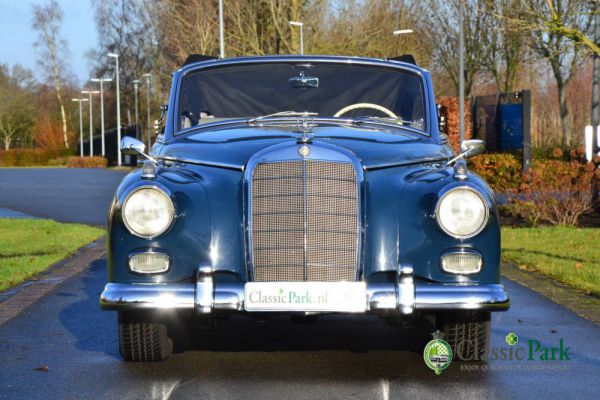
[17, 37]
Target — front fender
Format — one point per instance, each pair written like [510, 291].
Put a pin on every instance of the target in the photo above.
[401, 228]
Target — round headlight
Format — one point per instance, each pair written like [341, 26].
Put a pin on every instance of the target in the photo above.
[462, 212]
[148, 212]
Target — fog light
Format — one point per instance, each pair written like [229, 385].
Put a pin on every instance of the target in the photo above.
[462, 263]
[149, 263]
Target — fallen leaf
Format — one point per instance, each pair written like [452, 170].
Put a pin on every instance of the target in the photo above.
[578, 266]
[43, 368]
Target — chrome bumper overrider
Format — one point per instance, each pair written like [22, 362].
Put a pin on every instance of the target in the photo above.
[405, 295]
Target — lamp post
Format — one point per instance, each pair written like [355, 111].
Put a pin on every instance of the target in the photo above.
[301, 25]
[90, 93]
[148, 81]
[102, 80]
[80, 126]
[221, 42]
[461, 72]
[136, 83]
[399, 32]
[116, 57]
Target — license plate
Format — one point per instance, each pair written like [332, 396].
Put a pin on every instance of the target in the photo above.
[306, 296]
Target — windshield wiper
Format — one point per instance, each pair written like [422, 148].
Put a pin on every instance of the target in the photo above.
[387, 121]
[369, 118]
[284, 114]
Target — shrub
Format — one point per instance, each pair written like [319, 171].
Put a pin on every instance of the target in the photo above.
[48, 134]
[450, 111]
[555, 191]
[501, 170]
[58, 162]
[87, 162]
[30, 157]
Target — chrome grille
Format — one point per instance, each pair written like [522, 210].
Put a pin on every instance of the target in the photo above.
[304, 221]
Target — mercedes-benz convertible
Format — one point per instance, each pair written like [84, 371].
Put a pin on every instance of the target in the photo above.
[302, 185]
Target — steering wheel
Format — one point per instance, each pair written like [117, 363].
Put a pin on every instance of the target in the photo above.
[366, 105]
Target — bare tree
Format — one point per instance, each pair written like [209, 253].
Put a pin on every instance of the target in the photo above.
[549, 41]
[52, 50]
[502, 43]
[17, 114]
[442, 32]
[126, 27]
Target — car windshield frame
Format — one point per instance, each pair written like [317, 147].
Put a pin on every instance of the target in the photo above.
[330, 60]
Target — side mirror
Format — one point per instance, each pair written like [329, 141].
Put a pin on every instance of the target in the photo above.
[472, 147]
[132, 146]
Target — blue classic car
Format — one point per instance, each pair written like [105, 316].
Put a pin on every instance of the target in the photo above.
[302, 185]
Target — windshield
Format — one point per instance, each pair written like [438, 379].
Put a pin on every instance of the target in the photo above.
[251, 91]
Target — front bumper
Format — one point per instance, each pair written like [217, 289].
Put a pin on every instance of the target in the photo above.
[404, 296]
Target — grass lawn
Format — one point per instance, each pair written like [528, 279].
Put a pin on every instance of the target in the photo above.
[567, 254]
[28, 246]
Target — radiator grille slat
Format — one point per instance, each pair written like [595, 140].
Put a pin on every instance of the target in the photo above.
[304, 221]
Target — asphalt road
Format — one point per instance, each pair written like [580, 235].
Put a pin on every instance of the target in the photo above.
[339, 357]
[336, 358]
[63, 194]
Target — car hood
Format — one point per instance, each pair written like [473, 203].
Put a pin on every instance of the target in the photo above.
[233, 147]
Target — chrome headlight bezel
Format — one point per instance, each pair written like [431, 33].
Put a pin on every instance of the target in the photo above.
[169, 205]
[482, 225]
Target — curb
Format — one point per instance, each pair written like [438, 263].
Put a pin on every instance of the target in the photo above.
[582, 304]
[15, 300]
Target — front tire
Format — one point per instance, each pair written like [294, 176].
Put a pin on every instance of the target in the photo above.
[143, 339]
[468, 334]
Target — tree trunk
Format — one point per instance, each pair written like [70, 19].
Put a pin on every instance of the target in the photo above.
[57, 86]
[564, 113]
[63, 115]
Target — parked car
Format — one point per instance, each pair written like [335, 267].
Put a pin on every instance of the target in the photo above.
[302, 185]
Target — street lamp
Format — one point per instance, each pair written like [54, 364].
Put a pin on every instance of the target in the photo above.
[148, 78]
[102, 80]
[136, 83]
[301, 25]
[116, 57]
[400, 32]
[80, 126]
[221, 40]
[90, 93]
[461, 73]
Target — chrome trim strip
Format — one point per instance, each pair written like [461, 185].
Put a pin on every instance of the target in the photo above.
[380, 297]
[405, 290]
[199, 162]
[204, 291]
[124, 296]
[305, 234]
[491, 297]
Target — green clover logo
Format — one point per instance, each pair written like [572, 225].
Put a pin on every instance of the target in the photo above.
[512, 339]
